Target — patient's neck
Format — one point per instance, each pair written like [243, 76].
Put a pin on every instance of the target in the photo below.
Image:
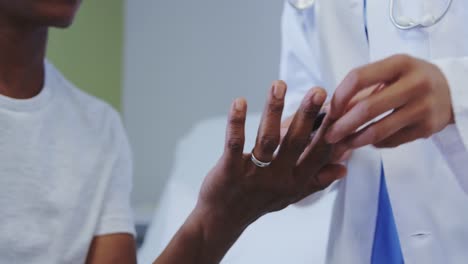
[22, 52]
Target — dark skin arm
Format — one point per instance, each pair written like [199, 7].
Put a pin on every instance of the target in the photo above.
[112, 249]
[236, 192]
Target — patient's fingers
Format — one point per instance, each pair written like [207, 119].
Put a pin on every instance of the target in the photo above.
[268, 136]
[298, 135]
[235, 135]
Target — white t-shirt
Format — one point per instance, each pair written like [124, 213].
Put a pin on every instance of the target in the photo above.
[65, 174]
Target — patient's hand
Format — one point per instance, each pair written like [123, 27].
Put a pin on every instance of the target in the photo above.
[237, 188]
[236, 192]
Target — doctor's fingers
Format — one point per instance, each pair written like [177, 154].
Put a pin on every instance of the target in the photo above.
[405, 135]
[363, 94]
[391, 124]
[298, 135]
[380, 72]
[235, 134]
[268, 136]
[392, 97]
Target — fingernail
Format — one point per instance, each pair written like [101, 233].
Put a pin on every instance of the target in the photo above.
[239, 104]
[279, 91]
[319, 98]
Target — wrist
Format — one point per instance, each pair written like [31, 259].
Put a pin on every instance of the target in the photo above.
[211, 234]
[216, 224]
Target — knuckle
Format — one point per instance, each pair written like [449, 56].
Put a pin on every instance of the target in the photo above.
[310, 113]
[428, 128]
[365, 109]
[269, 143]
[309, 110]
[250, 180]
[423, 83]
[252, 177]
[235, 144]
[402, 59]
[354, 77]
[237, 120]
[298, 145]
[426, 108]
[374, 134]
[276, 106]
[431, 102]
[421, 111]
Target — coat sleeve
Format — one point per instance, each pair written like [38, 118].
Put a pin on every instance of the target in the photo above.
[453, 140]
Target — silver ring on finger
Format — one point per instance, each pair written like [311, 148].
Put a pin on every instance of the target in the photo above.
[259, 163]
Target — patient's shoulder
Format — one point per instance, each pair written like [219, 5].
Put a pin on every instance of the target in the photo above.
[91, 117]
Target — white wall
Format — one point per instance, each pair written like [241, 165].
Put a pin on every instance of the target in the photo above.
[185, 61]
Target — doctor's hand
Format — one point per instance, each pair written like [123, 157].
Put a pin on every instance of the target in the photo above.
[237, 191]
[414, 92]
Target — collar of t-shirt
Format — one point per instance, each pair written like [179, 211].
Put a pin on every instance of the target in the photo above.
[36, 102]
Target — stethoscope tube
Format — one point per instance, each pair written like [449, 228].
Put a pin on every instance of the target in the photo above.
[301, 4]
[410, 24]
[402, 23]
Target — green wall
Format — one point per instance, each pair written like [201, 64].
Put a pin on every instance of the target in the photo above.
[90, 52]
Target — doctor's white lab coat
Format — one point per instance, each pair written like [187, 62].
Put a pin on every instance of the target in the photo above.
[427, 179]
